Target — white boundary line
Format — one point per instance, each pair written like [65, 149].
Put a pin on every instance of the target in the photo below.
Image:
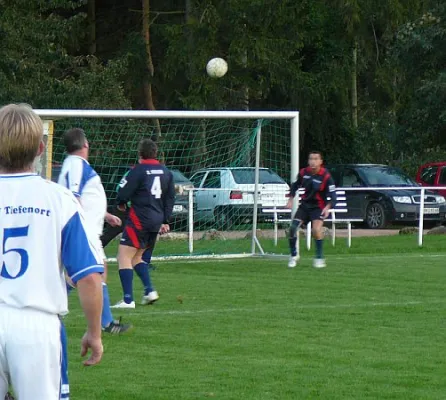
[279, 308]
[364, 256]
[206, 259]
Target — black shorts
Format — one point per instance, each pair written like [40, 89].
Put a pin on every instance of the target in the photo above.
[308, 214]
[110, 232]
[138, 238]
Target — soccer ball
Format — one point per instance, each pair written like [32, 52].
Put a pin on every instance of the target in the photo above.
[217, 67]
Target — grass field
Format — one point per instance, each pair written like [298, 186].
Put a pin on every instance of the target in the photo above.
[369, 326]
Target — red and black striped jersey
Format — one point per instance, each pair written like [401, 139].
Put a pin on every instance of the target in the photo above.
[317, 187]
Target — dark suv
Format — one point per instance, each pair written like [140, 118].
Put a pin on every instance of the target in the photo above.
[380, 207]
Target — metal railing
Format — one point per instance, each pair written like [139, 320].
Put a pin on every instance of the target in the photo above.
[419, 189]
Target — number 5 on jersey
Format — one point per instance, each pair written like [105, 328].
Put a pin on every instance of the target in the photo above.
[156, 187]
[10, 233]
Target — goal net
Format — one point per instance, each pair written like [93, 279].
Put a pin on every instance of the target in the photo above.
[231, 171]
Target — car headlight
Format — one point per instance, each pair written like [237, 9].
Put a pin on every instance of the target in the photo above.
[402, 199]
[440, 199]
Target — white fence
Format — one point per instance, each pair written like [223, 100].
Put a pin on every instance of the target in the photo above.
[421, 189]
[418, 189]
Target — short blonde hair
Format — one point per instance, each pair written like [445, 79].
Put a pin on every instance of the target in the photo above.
[21, 131]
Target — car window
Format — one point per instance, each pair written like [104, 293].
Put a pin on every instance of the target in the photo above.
[386, 176]
[213, 180]
[442, 180]
[178, 177]
[197, 178]
[428, 174]
[350, 178]
[246, 176]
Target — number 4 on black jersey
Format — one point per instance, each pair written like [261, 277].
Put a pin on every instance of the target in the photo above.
[150, 188]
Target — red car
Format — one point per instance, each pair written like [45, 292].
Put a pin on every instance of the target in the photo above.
[433, 174]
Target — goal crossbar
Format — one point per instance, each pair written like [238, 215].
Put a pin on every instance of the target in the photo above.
[43, 113]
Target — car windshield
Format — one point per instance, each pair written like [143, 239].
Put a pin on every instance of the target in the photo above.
[386, 176]
[178, 177]
[247, 176]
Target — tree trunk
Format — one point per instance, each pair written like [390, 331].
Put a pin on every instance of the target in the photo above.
[189, 35]
[244, 106]
[199, 149]
[188, 10]
[92, 26]
[244, 98]
[148, 79]
[354, 88]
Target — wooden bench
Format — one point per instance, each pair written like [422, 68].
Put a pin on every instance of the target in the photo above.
[334, 218]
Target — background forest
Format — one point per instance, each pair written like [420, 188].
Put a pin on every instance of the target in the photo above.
[369, 77]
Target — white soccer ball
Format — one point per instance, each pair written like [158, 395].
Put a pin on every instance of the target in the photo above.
[217, 67]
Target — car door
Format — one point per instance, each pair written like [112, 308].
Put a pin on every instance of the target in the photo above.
[442, 180]
[209, 197]
[428, 175]
[354, 199]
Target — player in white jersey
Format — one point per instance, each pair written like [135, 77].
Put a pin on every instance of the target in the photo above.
[78, 176]
[41, 231]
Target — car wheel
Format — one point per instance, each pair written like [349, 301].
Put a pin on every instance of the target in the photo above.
[223, 218]
[375, 216]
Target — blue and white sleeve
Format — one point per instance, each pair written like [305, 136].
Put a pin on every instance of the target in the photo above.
[75, 177]
[78, 255]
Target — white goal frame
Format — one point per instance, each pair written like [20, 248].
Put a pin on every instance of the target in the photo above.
[49, 115]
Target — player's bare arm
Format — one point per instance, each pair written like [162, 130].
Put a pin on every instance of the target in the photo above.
[326, 210]
[90, 295]
[113, 220]
[165, 228]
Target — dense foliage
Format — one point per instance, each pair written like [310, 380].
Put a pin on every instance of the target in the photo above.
[368, 77]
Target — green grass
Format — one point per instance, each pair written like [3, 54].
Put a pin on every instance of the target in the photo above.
[370, 326]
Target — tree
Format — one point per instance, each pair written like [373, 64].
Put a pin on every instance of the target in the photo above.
[419, 56]
[40, 61]
[92, 25]
[150, 69]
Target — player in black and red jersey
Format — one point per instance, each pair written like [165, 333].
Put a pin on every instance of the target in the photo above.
[314, 205]
[150, 189]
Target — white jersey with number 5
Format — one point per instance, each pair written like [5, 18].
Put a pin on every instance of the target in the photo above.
[42, 229]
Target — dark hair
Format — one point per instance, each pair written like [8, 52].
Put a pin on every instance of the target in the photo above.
[315, 152]
[74, 139]
[147, 148]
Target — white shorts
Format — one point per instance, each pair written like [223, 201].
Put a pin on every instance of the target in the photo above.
[98, 245]
[32, 355]
[94, 230]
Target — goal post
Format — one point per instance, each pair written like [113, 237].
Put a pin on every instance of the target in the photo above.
[44, 162]
[220, 157]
